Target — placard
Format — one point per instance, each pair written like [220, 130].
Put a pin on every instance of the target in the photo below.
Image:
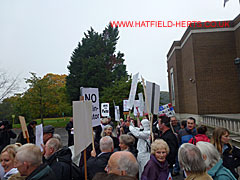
[105, 109]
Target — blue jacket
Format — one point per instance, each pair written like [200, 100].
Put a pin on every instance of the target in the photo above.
[219, 172]
[185, 135]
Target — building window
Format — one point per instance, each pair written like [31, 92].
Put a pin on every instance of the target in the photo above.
[172, 86]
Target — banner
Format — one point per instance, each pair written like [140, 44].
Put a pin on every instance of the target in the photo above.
[125, 106]
[137, 108]
[91, 94]
[105, 109]
[141, 102]
[153, 97]
[39, 136]
[117, 113]
[82, 123]
[166, 109]
[132, 91]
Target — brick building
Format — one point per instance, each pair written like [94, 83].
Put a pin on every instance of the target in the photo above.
[203, 78]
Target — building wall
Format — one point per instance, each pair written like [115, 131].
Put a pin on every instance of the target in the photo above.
[205, 77]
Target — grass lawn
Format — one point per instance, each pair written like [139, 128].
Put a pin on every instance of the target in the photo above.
[56, 122]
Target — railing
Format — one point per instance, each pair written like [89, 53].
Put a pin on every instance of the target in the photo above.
[233, 125]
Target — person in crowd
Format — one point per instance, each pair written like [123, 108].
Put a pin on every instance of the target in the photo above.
[230, 154]
[201, 135]
[28, 161]
[122, 163]
[69, 129]
[183, 124]
[97, 163]
[171, 139]
[126, 143]
[59, 160]
[192, 162]
[6, 134]
[109, 121]
[7, 160]
[184, 135]
[157, 166]
[104, 122]
[143, 144]
[31, 133]
[48, 132]
[175, 124]
[119, 127]
[214, 162]
[107, 131]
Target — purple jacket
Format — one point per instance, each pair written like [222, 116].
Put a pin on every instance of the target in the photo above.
[155, 170]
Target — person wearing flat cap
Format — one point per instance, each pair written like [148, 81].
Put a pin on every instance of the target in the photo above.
[48, 132]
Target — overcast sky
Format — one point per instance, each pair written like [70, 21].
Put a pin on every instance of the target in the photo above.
[40, 35]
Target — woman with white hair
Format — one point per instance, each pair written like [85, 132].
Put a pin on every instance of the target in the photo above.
[214, 162]
[107, 131]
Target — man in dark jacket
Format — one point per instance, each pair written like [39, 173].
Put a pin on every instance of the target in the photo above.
[171, 139]
[69, 129]
[5, 134]
[28, 161]
[98, 163]
[30, 127]
[58, 159]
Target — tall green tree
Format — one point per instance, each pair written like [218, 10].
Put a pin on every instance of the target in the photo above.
[95, 63]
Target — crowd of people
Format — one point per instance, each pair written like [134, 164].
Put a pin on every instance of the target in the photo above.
[124, 151]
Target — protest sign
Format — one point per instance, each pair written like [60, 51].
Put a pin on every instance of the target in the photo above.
[132, 91]
[39, 136]
[166, 109]
[137, 108]
[24, 127]
[153, 97]
[141, 102]
[82, 123]
[91, 94]
[125, 105]
[105, 109]
[117, 113]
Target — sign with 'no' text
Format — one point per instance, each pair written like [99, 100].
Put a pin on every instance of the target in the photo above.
[91, 94]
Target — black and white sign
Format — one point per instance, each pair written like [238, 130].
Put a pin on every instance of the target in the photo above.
[105, 109]
[91, 94]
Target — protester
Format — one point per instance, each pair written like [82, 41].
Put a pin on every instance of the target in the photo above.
[107, 131]
[122, 163]
[157, 166]
[97, 163]
[184, 135]
[230, 154]
[143, 145]
[7, 160]
[201, 135]
[175, 124]
[69, 129]
[109, 122]
[6, 134]
[171, 139]
[126, 143]
[192, 162]
[48, 132]
[214, 162]
[183, 124]
[59, 160]
[104, 176]
[28, 161]
[31, 128]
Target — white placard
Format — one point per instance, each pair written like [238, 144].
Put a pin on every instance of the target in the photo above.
[153, 97]
[105, 109]
[125, 107]
[141, 102]
[117, 113]
[39, 136]
[91, 94]
[82, 115]
[137, 108]
[133, 91]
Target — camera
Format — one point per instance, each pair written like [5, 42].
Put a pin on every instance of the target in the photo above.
[6, 124]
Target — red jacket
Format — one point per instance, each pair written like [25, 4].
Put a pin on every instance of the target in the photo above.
[199, 137]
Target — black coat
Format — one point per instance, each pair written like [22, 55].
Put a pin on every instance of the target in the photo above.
[43, 172]
[60, 163]
[231, 159]
[69, 126]
[31, 134]
[172, 142]
[96, 164]
[5, 136]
